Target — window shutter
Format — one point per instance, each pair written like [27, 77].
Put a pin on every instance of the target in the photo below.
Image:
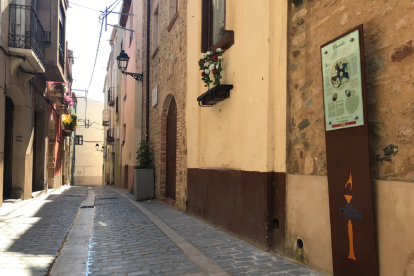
[205, 14]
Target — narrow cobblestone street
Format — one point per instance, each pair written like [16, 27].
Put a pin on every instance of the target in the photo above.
[32, 235]
[128, 238]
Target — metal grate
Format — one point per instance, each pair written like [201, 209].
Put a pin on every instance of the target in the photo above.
[26, 31]
[84, 207]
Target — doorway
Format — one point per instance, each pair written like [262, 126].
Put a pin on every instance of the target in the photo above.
[34, 152]
[171, 150]
[112, 177]
[126, 177]
[8, 149]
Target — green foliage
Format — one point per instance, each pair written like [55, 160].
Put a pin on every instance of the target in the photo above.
[210, 63]
[144, 156]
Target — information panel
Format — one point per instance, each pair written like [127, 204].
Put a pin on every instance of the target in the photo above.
[342, 83]
[353, 236]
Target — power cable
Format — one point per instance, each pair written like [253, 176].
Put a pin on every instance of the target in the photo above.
[71, 3]
[96, 56]
[103, 15]
[101, 18]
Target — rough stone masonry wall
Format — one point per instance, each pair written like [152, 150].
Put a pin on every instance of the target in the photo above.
[389, 61]
[169, 73]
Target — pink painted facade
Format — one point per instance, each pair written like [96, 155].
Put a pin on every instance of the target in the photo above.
[131, 101]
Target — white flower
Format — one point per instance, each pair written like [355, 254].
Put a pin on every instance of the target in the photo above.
[207, 64]
[203, 56]
[220, 58]
[212, 66]
[207, 71]
[219, 50]
[341, 74]
[209, 53]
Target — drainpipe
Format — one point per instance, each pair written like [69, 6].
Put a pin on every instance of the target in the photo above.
[148, 68]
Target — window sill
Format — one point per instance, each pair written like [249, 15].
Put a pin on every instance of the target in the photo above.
[154, 53]
[172, 21]
[224, 43]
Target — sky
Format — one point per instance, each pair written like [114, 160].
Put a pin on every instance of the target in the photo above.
[83, 28]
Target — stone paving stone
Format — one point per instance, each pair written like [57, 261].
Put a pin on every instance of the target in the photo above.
[125, 241]
[32, 235]
[233, 255]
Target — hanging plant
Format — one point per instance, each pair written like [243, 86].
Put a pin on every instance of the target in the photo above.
[70, 122]
[211, 64]
[61, 86]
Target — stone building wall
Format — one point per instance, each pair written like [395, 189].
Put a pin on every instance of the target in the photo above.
[389, 61]
[168, 73]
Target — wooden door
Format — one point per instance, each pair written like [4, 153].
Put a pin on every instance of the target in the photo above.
[126, 177]
[34, 152]
[8, 149]
[171, 149]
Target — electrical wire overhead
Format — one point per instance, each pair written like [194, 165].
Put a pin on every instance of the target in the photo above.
[88, 8]
[101, 19]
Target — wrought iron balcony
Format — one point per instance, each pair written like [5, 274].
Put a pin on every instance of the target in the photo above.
[106, 117]
[56, 93]
[26, 31]
[110, 136]
[61, 56]
[111, 97]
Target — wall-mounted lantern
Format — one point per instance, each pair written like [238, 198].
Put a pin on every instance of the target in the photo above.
[123, 60]
[97, 147]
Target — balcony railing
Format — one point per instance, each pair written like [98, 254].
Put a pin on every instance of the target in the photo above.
[106, 117]
[110, 136]
[61, 56]
[111, 97]
[26, 31]
[56, 92]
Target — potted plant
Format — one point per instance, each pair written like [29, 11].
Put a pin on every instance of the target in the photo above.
[68, 98]
[61, 87]
[144, 182]
[70, 123]
[211, 63]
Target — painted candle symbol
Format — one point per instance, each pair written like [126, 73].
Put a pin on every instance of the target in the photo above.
[351, 214]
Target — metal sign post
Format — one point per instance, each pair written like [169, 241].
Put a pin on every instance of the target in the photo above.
[354, 250]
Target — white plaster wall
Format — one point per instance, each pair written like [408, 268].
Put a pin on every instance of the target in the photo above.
[89, 161]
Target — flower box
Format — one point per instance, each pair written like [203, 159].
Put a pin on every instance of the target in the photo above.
[70, 123]
[214, 95]
[66, 132]
[110, 140]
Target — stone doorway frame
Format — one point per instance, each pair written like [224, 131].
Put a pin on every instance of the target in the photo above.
[51, 149]
[163, 150]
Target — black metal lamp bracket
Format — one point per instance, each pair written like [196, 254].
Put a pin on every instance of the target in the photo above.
[136, 76]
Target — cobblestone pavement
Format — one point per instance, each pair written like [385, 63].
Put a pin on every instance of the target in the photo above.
[32, 235]
[233, 255]
[125, 242]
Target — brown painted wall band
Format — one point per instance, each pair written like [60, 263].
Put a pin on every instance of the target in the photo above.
[250, 205]
[354, 250]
